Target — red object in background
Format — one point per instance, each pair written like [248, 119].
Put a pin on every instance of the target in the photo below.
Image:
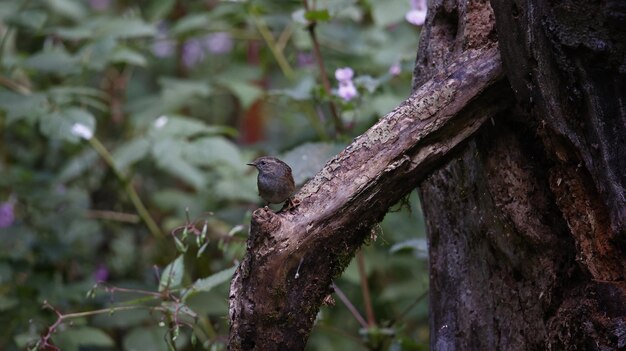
[253, 124]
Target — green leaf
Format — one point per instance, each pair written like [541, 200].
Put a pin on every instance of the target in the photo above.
[185, 127]
[24, 340]
[32, 19]
[158, 9]
[58, 125]
[192, 22]
[96, 55]
[389, 12]
[309, 158]
[150, 338]
[76, 166]
[172, 275]
[210, 282]
[124, 28]
[168, 155]
[247, 93]
[182, 248]
[384, 103]
[73, 9]
[419, 247]
[73, 33]
[7, 302]
[131, 152]
[317, 15]
[55, 60]
[236, 186]
[19, 106]
[212, 151]
[300, 92]
[367, 82]
[77, 90]
[80, 337]
[177, 92]
[129, 56]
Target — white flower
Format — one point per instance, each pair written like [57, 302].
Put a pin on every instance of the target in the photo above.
[160, 122]
[82, 131]
[344, 74]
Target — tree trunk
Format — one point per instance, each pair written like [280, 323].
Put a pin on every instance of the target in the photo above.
[525, 202]
[527, 224]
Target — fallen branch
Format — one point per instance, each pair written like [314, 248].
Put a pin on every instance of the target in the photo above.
[271, 308]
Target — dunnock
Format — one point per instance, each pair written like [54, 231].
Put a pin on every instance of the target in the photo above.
[274, 181]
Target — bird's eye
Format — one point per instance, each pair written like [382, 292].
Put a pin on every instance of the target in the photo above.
[262, 162]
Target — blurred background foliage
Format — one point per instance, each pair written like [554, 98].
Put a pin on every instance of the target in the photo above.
[126, 127]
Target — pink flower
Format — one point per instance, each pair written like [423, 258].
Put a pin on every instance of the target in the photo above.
[101, 273]
[193, 52]
[417, 15]
[7, 216]
[305, 59]
[347, 90]
[163, 46]
[99, 5]
[344, 74]
[219, 43]
[395, 69]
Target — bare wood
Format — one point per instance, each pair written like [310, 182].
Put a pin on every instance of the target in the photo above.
[271, 309]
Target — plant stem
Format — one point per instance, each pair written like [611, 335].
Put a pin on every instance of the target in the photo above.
[339, 127]
[367, 300]
[128, 187]
[350, 306]
[274, 48]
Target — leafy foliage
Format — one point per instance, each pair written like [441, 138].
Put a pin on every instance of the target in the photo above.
[121, 119]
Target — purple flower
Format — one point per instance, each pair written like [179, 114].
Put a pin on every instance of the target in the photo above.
[193, 52]
[219, 43]
[7, 215]
[347, 90]
[417, 15]
[344, 74]
[101, 274]
[305, 59]
[163, 46]
[395, 69]
[99, 5]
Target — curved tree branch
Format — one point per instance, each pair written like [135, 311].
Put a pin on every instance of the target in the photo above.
[271, 308]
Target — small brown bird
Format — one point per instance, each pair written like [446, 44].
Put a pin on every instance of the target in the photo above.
[274, 181]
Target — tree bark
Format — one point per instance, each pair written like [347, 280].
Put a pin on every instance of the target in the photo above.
[273, 309]
[526, 226]
[525, 212]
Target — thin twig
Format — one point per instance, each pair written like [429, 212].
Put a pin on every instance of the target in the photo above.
[350, 306]
[339, 127]
[271, 43]
[15, 86]
[128, 187]
[369, 311]
[113, 216]
[408, 309]
[44, 341]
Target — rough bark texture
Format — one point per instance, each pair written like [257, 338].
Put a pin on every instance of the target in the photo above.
[527, 224]
[271, 308]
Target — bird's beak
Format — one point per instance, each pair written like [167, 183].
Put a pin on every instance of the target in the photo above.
[251, 164]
